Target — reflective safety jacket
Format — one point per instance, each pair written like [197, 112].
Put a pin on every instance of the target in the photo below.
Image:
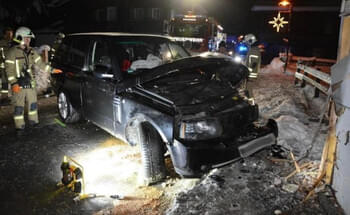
[4, 46]
[20, 63]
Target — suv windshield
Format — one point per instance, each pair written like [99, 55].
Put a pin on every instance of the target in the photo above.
[189, 30]
[137, 53]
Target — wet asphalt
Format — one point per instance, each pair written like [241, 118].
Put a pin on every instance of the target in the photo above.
[30, 164]
[30, 168]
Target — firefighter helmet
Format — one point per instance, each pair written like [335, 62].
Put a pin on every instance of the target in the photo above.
[22, 32]
[250, 39]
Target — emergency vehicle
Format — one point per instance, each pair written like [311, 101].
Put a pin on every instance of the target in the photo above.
[197, 33]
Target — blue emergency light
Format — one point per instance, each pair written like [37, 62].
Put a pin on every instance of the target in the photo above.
[242, 49]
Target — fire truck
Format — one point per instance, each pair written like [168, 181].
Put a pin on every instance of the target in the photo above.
[197, 33]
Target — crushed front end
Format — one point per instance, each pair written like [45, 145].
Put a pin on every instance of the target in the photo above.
[193, 158]
[215, 123]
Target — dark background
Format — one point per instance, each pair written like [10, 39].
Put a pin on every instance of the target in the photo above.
[312, 33]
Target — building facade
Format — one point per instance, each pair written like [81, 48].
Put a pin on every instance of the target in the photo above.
[148, 16]
[341, 175]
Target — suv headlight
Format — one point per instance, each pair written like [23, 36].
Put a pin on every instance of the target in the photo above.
[200, 129]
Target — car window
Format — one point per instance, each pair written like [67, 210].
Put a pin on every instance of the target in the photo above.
[177, 51]
[78, 52]
[100, 55]
[142, 53]
[61, 55]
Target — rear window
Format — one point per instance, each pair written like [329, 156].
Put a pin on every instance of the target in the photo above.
[62, 51]
[72, 52]
[78, 52]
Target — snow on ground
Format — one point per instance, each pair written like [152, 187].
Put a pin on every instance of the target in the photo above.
[257, 185]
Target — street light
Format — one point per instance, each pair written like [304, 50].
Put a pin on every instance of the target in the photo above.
[284, 3]
[287, 4]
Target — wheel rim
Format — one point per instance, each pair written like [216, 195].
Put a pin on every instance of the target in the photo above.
[63, 105]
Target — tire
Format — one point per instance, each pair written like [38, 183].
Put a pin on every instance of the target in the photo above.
[65, 109]
[152, 155]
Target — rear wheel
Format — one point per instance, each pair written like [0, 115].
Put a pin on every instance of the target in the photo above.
[152, 153]
[65, 109]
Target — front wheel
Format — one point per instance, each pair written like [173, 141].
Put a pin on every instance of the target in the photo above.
[65, 109]
[152, 154]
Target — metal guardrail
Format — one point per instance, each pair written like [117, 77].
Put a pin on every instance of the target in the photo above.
[313, 77]
[308, 61]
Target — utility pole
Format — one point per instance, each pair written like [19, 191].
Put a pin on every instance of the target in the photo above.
[287, 3]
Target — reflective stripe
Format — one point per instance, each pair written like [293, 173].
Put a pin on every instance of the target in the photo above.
[2, 65]
[253, 75]
[33, 112]
[47, 68]
[37, 59]
[11, 78]
[17, 69]
[33, 83]
[19, 117]
[9, 61]
[4, 91]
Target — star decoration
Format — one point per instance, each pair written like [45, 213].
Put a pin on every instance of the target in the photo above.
[278, 22]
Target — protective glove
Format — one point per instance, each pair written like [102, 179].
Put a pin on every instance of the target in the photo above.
[16, 88]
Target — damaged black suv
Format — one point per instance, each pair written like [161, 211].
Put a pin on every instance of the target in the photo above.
[148, 91]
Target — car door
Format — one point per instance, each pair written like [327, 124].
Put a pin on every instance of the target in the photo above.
[74, 67]
[99, 86]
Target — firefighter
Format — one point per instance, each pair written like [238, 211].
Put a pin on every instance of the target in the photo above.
[5, 44]
[222, 48]
[253, 60]
[20, 62]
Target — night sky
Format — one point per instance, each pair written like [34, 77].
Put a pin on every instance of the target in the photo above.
[235, 15]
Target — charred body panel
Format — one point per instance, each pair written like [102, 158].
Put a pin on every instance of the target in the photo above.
[195, 104]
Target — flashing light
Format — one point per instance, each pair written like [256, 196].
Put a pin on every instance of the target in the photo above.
[230, 53]
[284, 3]
[57, 71]
[191, 39]
[190, 16]
[237, 59]
[189, 19]
[242, 48]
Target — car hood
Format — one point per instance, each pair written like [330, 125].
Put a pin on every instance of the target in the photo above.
[224, 68]
[194, 84]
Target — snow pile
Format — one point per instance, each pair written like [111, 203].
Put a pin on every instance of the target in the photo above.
[256, 185]
[295, 110]
[275, 65]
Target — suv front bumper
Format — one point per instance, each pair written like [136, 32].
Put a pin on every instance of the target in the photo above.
[194, 159]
